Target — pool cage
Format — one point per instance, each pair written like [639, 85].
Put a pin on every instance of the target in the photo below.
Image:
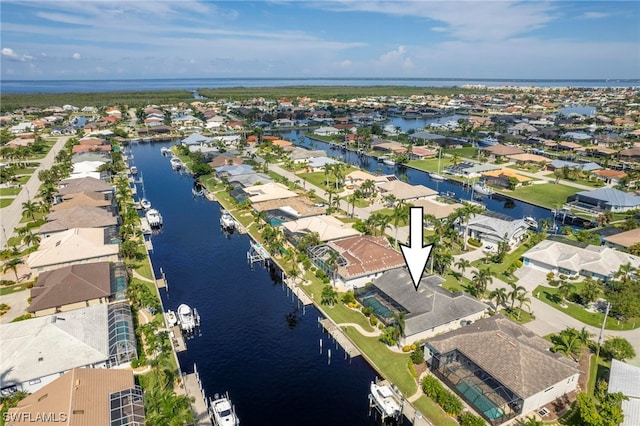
[384, 307]
[493, 400]
[122, 338]
[126, 407]
[323, 256]
[119, 281]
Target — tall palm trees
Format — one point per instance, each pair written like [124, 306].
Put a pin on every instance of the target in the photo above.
[462, 264]
[465, 214]
[480, 279]
[29, 207]
[399, 215]
[12, 265]
[499, 295]
[515, 292]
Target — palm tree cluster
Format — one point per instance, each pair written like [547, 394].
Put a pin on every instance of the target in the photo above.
[571, 341]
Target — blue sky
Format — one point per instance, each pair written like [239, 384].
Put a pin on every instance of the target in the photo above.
[60, 40]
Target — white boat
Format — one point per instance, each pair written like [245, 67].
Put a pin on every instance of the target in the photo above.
[176, 163]
[154, 218]
[133, 170]
[146, 204]
[386, 400]
[188, 318]
[227, 221]
[488, 141]
[388, 162]
[164, 150]
[222, 412]
[482, 189]
[171, 318]
[531, 222]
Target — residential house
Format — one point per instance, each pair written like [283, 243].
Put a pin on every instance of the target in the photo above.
[89, 198]
[268, 191]
[327, 227]
[72, 247]
[84, 397]
[197, 139]
[499, 150]
[610, 177]
[436, 208]
[233, 170]
[418, 153]
[225, 160]
[77, 286]
[38, 351]
[501, 369]
[505, 178]
[287, 209]
[421, 137]
[405, 191]
[80, 216]
[625, 378]
[326, 131]
[317, 164]
[492, 228]
[358, 259]
[87, 184]
[430, 310]
[600, 262]
[623, 240]
[605, 199]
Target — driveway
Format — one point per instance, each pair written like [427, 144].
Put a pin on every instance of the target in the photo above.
[18, 303]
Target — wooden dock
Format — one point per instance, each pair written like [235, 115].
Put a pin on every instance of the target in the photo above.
[298, 292]
[199, 406]
[148, 244]
[178, 339]
[161, 283]
[339, 336]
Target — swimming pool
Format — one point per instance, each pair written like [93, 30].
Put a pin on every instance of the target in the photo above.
[379, 309]
[474, 395]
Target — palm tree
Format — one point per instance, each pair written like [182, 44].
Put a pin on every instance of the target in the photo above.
[480, 279]
[462, 264]
[400, 214]
[12, 265]
[523, 300]
[499, 295]
[465, 214]
[367, 187]
[31, 239]
[327, 168]
[516, 290]
[30, 208]
[564, 290]
[399, 326]
[329, 295]
[351, 200]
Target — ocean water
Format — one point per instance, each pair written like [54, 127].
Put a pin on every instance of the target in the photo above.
[84, 86]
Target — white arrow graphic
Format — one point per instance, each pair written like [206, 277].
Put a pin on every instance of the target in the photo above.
[416, 254]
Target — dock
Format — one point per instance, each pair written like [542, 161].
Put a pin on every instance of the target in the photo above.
[298, 292]
[178, 339]
[339, 336]
[199, 407]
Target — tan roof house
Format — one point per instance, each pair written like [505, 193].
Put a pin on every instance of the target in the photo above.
[70, 186]
[85, 397]
[268, 191]
[624, 240]
[78, 245]
[88, 198]
[77, 286]
[327, 227]
[406, 191]
[502, 178]
[81, 216]
[501, 369]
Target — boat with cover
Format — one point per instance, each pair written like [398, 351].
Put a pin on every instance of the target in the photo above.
[154, 218]
[188, 318]
[176, 163]
[388, 162]
[222, 412]
[171, 318]
[386, 401]
[227, 221]
[133, 170]
[146, 204]
[165, 150]
[482, 189]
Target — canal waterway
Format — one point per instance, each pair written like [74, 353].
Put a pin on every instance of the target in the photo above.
[255, 341]
[496, 203]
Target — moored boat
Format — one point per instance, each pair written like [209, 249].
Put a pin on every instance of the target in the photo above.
[165, 150]
[436, 176]
[222, 411]
[488, 141]
[176, 163]
[171, 318]
[146, 204]
[388, 162]
[227, 221]
[188, 318]
[385, 400]
[154, 218]
[531, 222]
[480, 188]
[133, 170]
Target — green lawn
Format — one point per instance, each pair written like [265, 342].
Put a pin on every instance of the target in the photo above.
[599, 371]
[593, 183]
[431, 410]
[499, 269]
[9, 191]
[13, 288]
[525, 316]
[429, 164]
[4, 202]
[548, 195]
[467, 152]
[549, 295]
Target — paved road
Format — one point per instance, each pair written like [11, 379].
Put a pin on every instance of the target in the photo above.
[11, 215]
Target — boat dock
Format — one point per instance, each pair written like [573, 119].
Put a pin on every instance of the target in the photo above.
[298, 292]
[178, 339]
[339, 336]
[408, 411]
[193, 388]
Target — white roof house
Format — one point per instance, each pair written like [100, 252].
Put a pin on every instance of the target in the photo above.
[328, 227]
[77, 245]
[35, 352]
[326, 131]
[492, 229]
[596, 261]
[268, 191]
[625, 378]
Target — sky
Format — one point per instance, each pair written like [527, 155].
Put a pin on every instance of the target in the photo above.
[67, 40]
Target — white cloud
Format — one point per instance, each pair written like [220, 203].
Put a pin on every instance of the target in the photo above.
[595, 15]
[76, 56]
[8, 52]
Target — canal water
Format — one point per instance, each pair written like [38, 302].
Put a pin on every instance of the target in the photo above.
[496, 203]
[255, 342]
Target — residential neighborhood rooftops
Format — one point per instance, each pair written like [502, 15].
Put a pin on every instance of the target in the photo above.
[328, 227]
[80, 216]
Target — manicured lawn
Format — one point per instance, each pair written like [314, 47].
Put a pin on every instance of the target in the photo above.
[525, 316]
[597, 372]
[429, 164]
[13, 288]
[393, 364]
[454, 284]
[593, 183]
[431, 410]
[499, 269]
[549, 295]
[467, 152]
[9, 191]
[548, 195]
[342, 314]
[4, 202]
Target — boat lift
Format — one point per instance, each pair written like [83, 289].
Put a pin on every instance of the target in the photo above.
[257, 253]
